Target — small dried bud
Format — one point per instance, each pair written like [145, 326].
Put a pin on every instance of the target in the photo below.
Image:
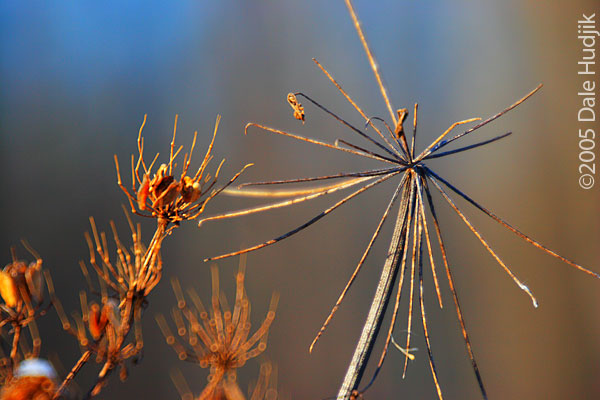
[123, 373]
[97, 320]
[402, 114]
[296, 106]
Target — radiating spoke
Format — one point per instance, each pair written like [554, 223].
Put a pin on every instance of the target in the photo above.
[372, 172]
[314, 141]
[296, 200]
[372, 60]
[428, 150]
[401, 186]
[414, 138]
[308, 223]
[362, 149]
[459, 314]
[396, 155]
[427, 239]
[485, 244]
[426, 332]
[360, 111]
[447, 153]
[388, 339]
[415, 254]
[487, 121]
[511, 228]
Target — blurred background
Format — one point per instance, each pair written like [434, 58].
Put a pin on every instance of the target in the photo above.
[77, 78]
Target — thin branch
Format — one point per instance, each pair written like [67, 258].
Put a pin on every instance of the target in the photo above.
[521, 285]
[487, 121]
[459, 314]
[511, 228]
[372, 60]
[447, 153]
[360, 264]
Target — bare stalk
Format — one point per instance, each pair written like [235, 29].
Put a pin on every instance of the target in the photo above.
[15, 345]
[380, 302]
[80, 363]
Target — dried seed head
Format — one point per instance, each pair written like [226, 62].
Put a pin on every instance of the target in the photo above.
[296, 106]
[21, 282]
[169, 198]
[226, 342]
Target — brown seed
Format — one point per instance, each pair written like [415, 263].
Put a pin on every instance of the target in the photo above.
[98, 320]
[296, 106]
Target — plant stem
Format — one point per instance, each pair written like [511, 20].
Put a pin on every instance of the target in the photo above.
[380, 302]
[80, 363]
[15, 346]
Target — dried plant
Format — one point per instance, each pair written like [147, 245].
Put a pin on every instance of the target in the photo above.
[102, 329]
[219, 340]
[412, 231]
[22, 289]
[124, 285]
[29, 387]
[161, 195]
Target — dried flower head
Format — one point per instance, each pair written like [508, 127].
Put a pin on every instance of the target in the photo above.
[263, 389]
[21, 284]
[165, 196]
[220, 340]
[103, 326]
[415, 224]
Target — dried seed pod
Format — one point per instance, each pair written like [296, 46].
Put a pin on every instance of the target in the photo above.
[296, 106]
[142, 194]
[8, 289]
[402, 114]
[161, 185]
[170, 193]
[97, 320]
[190, 190]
